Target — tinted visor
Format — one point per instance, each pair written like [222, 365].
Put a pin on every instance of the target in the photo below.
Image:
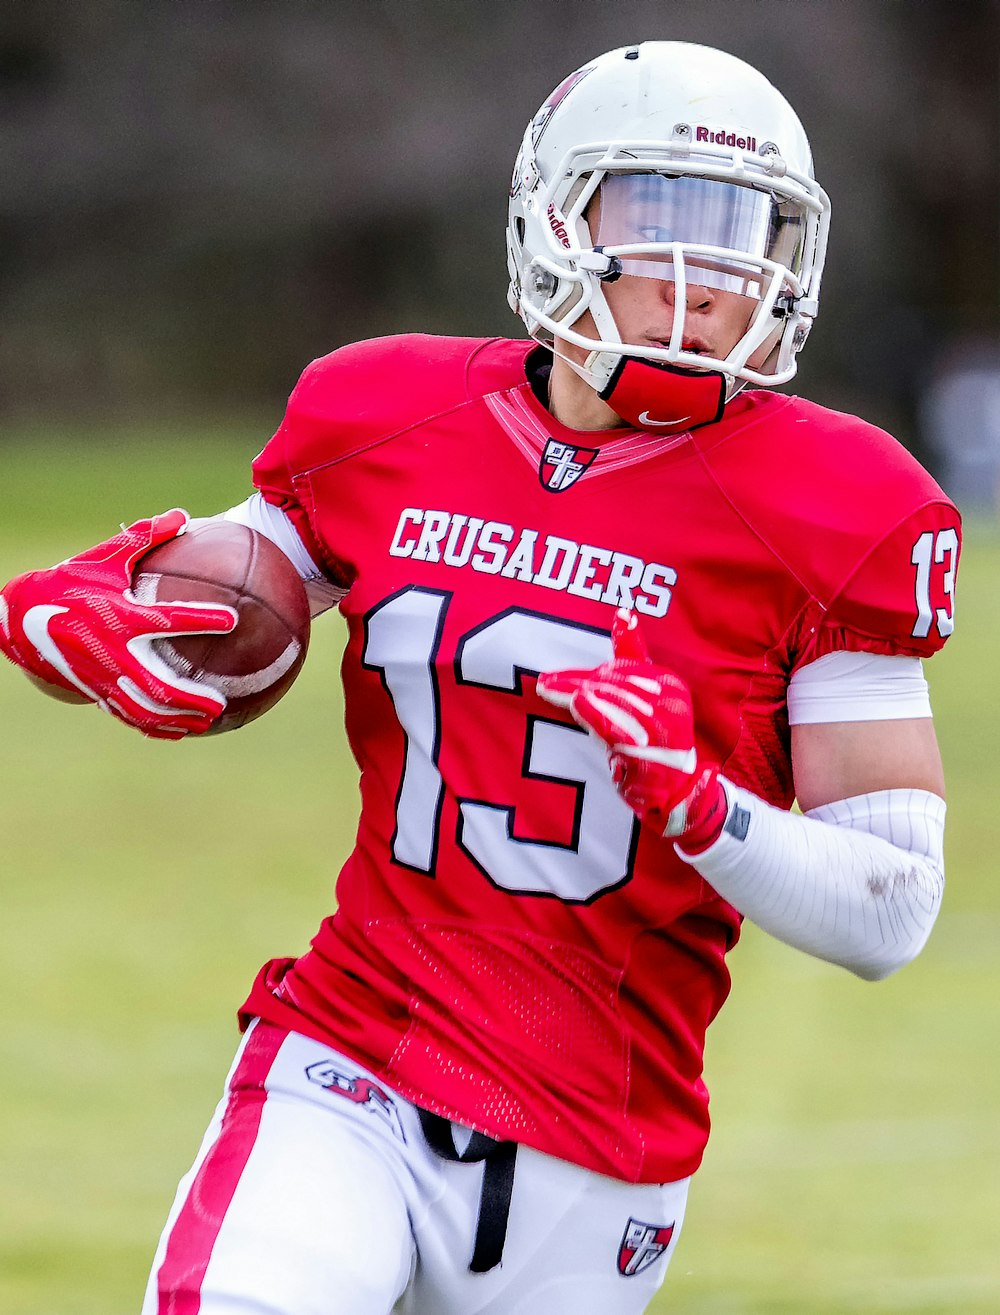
[651, 209]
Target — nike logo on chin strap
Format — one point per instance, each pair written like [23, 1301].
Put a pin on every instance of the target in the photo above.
[35, 626]
[646, 419]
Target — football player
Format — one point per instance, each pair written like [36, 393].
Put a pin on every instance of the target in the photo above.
[612, 604]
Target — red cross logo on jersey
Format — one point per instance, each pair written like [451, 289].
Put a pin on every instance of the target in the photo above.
[562, 464]
[641, 1245]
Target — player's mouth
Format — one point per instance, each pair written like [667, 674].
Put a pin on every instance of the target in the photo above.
[695, 346]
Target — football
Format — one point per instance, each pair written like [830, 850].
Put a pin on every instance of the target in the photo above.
[223, 562]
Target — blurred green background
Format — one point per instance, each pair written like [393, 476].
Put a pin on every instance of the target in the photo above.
[195, 199]
[855, 1163]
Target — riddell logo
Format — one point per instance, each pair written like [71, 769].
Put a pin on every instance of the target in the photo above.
[723, 138]
[557, 226]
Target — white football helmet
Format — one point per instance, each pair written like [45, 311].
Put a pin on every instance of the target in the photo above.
[703, 176]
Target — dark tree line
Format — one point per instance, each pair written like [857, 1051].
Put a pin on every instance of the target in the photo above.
[198, 196]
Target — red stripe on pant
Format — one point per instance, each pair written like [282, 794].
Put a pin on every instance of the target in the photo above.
[196, 1228]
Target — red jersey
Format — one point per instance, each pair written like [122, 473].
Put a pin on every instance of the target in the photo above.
[510, 948]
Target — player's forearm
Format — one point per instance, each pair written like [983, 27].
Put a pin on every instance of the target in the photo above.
[857, 882]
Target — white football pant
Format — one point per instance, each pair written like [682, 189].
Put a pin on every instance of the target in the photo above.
[315, 1192]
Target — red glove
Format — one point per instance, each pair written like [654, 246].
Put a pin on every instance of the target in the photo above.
[643, 713]
[79, 627]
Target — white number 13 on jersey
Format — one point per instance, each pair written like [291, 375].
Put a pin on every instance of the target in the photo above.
[940, 549]
[402, 636]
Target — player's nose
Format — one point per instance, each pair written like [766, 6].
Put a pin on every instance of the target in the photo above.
[696, 296]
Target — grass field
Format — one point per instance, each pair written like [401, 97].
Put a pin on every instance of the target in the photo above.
[855, 1164]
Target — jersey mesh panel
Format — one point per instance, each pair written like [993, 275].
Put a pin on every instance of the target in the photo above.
[526, 995]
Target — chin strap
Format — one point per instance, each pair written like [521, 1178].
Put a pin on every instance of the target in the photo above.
[655, 395]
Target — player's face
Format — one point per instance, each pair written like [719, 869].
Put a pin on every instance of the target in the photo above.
[714, 320]
[635, 209]
[643, 309]
[709, 217]
[642, 210]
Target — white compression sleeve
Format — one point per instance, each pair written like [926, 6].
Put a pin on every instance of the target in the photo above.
[857, 882]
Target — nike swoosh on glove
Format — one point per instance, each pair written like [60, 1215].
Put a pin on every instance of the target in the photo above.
[79, 627]
[645, 716]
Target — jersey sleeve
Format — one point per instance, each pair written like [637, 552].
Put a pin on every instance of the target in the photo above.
[345, 403]
[901, 598]
[334, 410]
[279, 471]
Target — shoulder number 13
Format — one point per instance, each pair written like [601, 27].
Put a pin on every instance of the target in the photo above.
[940, 549]
[402, 638]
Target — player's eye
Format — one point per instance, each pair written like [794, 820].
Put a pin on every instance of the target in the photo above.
[655, 233]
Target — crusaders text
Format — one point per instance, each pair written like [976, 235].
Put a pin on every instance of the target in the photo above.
[495, 548]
